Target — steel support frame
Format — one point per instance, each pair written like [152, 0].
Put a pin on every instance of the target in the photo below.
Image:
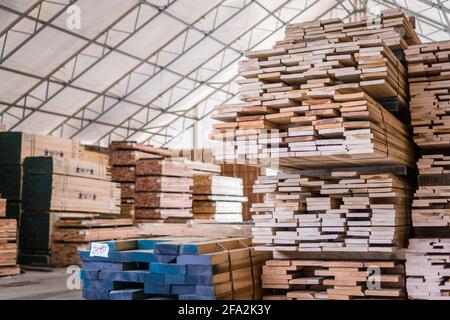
[213, 11]
[219, 70]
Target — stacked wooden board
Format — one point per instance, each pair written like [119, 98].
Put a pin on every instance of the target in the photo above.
[218, 198]
[8, 243]
[334, 211]
[314, 98]
[123, 158]
[333, 280]
[74, 232]
[163, 189]
[14, 148]
[248, 174]
[55, 188]
[195, 268]
[427, 268]
[428, 255]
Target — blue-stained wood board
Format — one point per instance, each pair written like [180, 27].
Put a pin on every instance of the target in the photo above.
[110, 285]
[167, 248]
[202, 259]
[124, 276]
[169, 268]
[157, 289]
[114, 246]
[111, 266]
[128, 294]
[205, 290]
[200, 270]
[195, 297]
[95, 294]
[148, 244]
[199, 280]
[154, 278]
[89, 275]
[177, 289]
[179, 279]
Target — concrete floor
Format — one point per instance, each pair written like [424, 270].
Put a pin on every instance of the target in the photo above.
[38, 285]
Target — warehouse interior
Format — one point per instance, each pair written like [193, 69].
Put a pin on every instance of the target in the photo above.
[224, 149]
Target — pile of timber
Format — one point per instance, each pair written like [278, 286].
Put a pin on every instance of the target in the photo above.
[123, 158]
[428, 70]
[428, 255]
[333, 280]
[54, 188]
[8, 243]
[315, 99]
[332, 211]
[195, 268]
[427, 268]
[248, 174]
[74, 232]
[431, 206]
[218, 198]
[14, 148]
[163, 189]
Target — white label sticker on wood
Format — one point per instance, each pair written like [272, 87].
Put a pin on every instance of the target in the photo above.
[99, 250]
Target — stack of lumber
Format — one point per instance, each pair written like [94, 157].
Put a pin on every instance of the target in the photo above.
[95, 154]
[14, 148]
[431, 206]
[427, 265]
[315, 99]
[163, 189]
[194, 268]
[336, 211]
[8, 243]
[428, 255]
[248, 174]
[123, 158]
[333, 279]
[428, 70]
[218, 198]
[54, 188]
[74, 232]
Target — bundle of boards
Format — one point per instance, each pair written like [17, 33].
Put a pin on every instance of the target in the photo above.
[8, 243]
[195, 268]
[333, 280]
[123, 158]
[74, 232]
[314, 99]
[218, 198]
[428, 255]
[332, 211]
[163, 189]
[14, 148]
[54, 188]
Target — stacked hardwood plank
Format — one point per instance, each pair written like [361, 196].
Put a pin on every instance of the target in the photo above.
[428, 70]
[123, 158]
[184, 268]
[314, 99]
[248, 174]
[14, 148]
[338, 212]
[8, 243]
[73, 233]
[427, 262]
[163, 189]
[218, 198]
[428, 254]
[55, 189]
[333, 280]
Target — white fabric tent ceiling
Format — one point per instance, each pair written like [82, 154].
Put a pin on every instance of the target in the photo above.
[148, 70]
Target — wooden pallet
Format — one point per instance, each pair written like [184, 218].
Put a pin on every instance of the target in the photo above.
[8, 243]
[333, 280]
